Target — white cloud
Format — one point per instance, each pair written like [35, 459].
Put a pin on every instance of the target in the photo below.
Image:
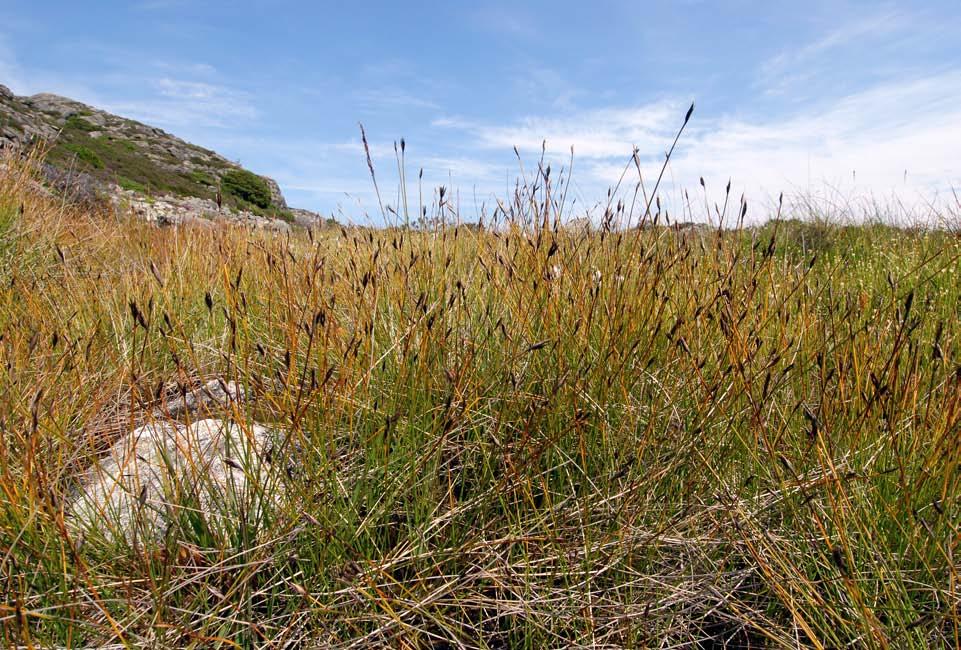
[897, 139]
[188, 69]
[900, 138]
[601, 133]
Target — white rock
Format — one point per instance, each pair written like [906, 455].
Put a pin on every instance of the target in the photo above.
[166, 473]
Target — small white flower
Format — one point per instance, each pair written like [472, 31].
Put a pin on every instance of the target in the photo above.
[553, 273]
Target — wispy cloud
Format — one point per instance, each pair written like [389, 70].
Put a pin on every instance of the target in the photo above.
[512, 21]
[540, 83]
[797, 69]
[392, 98]
[198, 69]
[855, 32]
[600, 133]
[191, 90]
[174, 103]
[178, 99]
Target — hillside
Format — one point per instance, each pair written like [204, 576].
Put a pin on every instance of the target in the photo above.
[94, 153]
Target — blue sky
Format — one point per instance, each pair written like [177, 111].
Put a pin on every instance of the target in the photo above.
[835, 99]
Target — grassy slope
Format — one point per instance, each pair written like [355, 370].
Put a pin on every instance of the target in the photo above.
[118, 156]
[678, 438]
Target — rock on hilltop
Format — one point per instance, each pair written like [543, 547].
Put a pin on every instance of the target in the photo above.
[95, 153]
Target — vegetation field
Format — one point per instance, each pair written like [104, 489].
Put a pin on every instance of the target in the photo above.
[522, 435]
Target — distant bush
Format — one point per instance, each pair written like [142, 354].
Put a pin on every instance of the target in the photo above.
[284, 215]
[247, 187]
[85, 155]
[79, 124]
[203, 178]
[132, 185]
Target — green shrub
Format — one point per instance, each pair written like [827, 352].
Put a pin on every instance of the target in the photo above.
[132, 185]
[247, 187]
[85, 155]
[283, 215]
[203, 178]
[79, 124]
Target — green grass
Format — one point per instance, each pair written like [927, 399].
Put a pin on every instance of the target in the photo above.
[122, 158]
[518, 437]
[85, 156]
[75, 122]
[128, 184]
[202, 178]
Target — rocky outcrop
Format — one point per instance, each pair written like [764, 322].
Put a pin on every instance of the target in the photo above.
[176, 211]
[276, 196]
[20, 126]
[309, 219]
